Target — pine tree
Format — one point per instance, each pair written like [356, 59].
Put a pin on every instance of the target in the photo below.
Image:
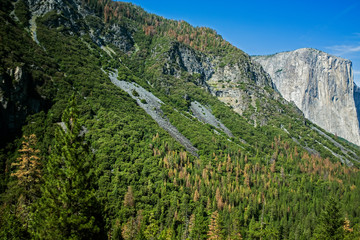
[196, 196]
[68, 205]
[129, 198]
[152, 228]
[28, 177]
[191, 223]
[214, 227]
[255, 230]
[131, 230]
[235, 229]
[350, 232]
[22, 192]
[166, 234]
[331, 223]
[346, 225]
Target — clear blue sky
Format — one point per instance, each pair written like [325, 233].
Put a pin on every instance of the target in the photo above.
[261, 27]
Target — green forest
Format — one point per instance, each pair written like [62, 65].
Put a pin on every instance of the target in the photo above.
[88, 162]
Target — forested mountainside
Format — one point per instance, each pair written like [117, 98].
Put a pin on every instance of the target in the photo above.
[120, 124]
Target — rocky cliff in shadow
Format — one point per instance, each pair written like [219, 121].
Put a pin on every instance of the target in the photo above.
[18, 99]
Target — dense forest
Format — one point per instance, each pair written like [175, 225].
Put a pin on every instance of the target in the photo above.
[80, 158]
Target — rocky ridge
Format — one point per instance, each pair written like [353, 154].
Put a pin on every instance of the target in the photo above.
[320, 85]
[239, 84]
[77, 18]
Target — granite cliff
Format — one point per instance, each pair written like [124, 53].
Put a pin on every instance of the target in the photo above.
[321, 86]
[241, 84]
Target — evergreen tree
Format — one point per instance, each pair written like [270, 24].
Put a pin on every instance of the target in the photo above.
[255, 230]
[129, 198]
[235, 229]
[152, 228]
[22, 192]
[28, 176]
[10, 225]
[67, 209]
[214, 227]
[331, 223]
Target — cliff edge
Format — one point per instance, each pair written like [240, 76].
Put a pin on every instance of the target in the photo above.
[321, 86]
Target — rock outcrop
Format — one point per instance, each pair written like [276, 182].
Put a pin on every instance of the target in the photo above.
[76, 18]
[18, 98]
[239, 84]
[321, 86]
[189, 60]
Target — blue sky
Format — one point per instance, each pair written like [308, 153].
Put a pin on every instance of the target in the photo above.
[261, 27]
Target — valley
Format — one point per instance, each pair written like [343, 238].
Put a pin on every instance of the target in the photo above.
[187, 136]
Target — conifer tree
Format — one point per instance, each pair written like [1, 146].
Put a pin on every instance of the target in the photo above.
[348, 230]
[330, 225]
[131, 230]
[196, 196]
[28, 176]
[68, 205]
[255, 230]
[214, 227]
[22, 192]
[235, 230]
[129, 198]
[152, 228]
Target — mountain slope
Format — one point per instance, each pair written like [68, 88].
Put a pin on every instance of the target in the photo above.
[255, 165]
[320, 85]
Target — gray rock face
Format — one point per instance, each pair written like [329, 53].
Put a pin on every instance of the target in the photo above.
[239, 84]
[357, 100]
[242, 72]
[40, 7]
[120, 37]
[205, 115]
[320, 85]
[18, 98]
[78, 19]
[181, 57]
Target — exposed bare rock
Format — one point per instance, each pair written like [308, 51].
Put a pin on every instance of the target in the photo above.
[78, 19]
[347, 152]
[205, 115]
[320, 85]
[18, 98]
[181, 57]
[152, 106]
[239, 83]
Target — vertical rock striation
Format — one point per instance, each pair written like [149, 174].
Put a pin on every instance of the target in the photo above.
[320, 85]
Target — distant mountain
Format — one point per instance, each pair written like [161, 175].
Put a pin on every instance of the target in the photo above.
[320, 85]
[149, 128]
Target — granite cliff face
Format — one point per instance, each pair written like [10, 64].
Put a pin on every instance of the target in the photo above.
[241, 84]
[179, 58]
[320, 85]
